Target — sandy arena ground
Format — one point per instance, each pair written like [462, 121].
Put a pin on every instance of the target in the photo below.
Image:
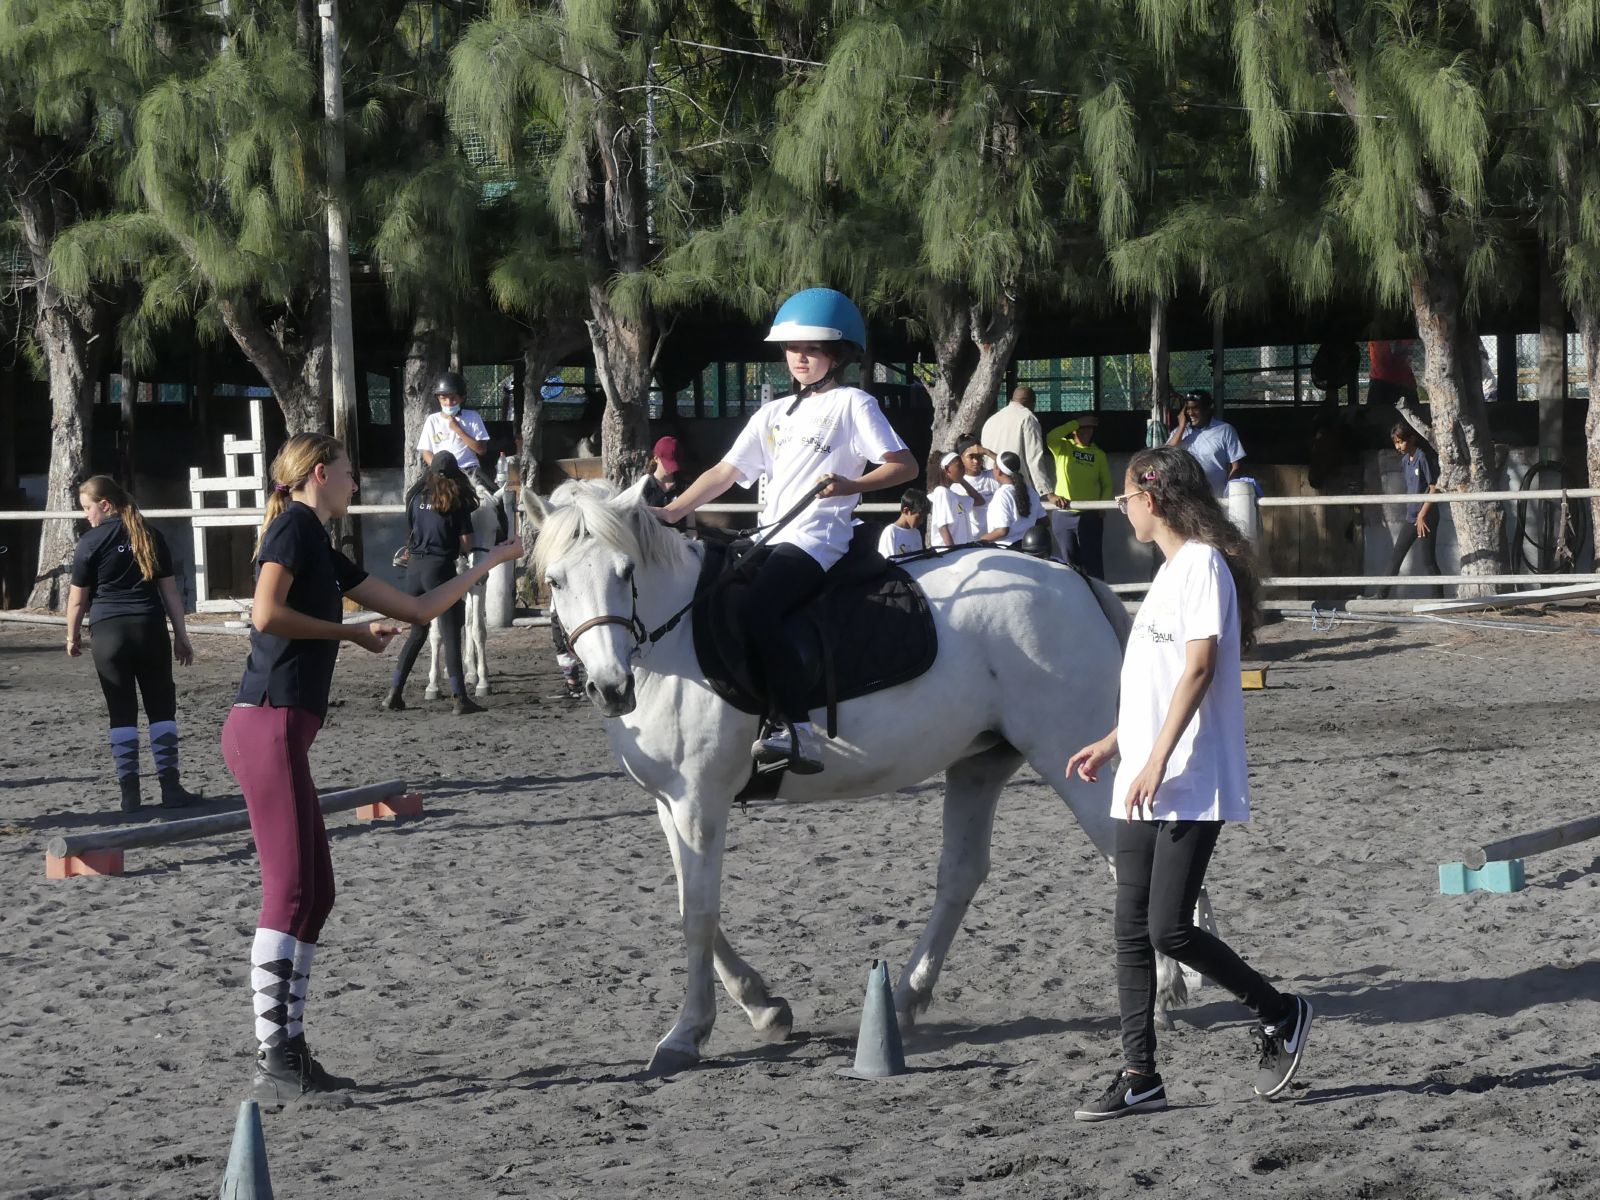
[497, 973]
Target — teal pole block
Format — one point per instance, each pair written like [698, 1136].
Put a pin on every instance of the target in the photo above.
[1457, 879]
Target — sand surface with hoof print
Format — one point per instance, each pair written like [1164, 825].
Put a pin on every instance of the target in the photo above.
[496, 974]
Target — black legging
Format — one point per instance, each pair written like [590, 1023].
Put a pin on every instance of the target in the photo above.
[424, 573]
[1084, 546]
[1161, 866]
[1403, 542]
[129, 653]
[785, 580]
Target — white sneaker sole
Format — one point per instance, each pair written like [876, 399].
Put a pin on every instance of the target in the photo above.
[1157, 1105]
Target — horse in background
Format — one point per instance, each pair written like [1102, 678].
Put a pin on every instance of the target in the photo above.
[488, 525]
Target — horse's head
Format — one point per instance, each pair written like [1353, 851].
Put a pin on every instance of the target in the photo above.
[593, 543]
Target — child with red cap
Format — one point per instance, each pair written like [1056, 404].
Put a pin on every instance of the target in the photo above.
[661, 484]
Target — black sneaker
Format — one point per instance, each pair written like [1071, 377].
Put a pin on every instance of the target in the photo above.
[1282, 1047]
[1128, 1093]
[465, 706]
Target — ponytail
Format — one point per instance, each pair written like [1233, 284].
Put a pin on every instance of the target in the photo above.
[301, 455]
[1183, 499]
[444, 494]
[1012, 466]
[140, 539]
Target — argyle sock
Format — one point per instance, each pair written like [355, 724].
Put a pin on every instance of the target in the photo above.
[298, 982]
[271, 985]
[164, 746]
[125, 751]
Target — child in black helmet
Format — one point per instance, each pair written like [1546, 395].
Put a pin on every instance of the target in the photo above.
[459, 430]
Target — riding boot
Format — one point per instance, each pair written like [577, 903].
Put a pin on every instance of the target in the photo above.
[287, 1074]
[174, 794]
[465, 705]
[130, 793]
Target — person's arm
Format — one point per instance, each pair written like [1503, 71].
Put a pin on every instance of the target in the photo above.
[1425, 511]
[704, 490]
[1037, 460]
[897, 467]
[182, 650]
[1102, 468]
[1088, 761]
[1199, 668]
[994, 535]
[978, 497]
[477, 445]
[945, 536]
[1235, 453]
[270, 613]
[77, 601]
[1183, 428]
[427, 457]
[379, 596]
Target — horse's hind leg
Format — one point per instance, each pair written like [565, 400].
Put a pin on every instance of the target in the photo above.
[972, 791]
[435, 651]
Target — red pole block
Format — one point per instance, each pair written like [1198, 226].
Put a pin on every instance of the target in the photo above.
[90, 862]
[395, 807]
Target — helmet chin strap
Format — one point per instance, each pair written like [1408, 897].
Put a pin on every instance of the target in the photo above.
[811, 389]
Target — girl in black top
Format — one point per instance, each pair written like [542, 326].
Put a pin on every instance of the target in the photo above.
[439, 513]
[301, 583]
[123, 571]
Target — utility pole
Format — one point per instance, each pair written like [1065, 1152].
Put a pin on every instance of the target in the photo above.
[346, 421]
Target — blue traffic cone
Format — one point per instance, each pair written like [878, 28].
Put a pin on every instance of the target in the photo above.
[247, 1177]
[878, 1051]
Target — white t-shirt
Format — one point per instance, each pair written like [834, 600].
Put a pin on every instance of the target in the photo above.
[437, 435]
[984, 483]
[897, 539]
[1207, 779]
[836, 432]
[952, 506]
[1001, 513]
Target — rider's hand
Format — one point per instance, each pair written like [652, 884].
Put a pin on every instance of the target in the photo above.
[838, 485]
[375, 635]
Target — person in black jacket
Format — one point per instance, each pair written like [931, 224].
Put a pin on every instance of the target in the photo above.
[122, 571]
[439, 513]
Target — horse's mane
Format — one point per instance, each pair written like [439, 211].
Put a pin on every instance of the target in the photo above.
[580, 509]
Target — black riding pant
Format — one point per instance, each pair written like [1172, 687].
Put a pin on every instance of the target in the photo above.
[133, 657]
[1085, 548]
[1161, 866]
[424, 573]
[786, 580]
[1426, 543]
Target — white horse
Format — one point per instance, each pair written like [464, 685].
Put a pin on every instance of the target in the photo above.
[1031, 648]
[475, 626]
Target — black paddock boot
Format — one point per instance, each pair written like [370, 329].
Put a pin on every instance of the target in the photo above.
[465, 705]
[174, 794]
[315, 1070]
[286, 1075]
[394, 701]
[130, 793]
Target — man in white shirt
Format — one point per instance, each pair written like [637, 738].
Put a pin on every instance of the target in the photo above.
[458, 430]
[1014, 428]
[1212, 441]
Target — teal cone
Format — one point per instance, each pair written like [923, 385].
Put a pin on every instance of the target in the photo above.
[247, 1177]
[878, 1051]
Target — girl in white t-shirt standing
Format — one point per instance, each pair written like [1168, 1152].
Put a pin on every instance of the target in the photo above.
[1180, 735]
[1015, 507]
[954, 505]
[823, 431]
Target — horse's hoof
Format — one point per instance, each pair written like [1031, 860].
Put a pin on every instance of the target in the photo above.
[430, 693]
[481, 690]
[668, 1061]
[1164, 1021]
[775, 1022]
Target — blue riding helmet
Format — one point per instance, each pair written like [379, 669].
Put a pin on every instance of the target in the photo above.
[819, 315]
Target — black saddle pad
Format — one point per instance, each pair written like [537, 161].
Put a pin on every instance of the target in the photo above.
[870, 629]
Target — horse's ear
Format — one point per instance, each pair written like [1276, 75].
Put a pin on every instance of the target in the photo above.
[533, 504]
[634, 496]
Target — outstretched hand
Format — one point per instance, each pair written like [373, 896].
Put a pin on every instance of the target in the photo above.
[376, 635]
[507, 551]
[1088, 761]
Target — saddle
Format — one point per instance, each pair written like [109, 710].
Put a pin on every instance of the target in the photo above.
[869, 629]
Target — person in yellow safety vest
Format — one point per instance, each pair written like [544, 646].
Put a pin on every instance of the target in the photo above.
[1083, 472]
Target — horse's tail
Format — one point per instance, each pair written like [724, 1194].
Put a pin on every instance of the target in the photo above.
[1116, 612]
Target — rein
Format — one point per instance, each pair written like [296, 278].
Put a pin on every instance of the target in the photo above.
[644, 638]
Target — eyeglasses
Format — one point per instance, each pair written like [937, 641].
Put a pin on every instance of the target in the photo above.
[1122, 500]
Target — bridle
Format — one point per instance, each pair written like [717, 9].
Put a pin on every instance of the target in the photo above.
[644, 638]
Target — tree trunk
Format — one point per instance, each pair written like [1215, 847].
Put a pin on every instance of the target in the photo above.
[1588, 320]
[623, 352]
[544, 348]
[69, 340]
[427, 356]
[1454, 379]
[298, 372]
[1161, 356]
[1552, 359]
[973, 349]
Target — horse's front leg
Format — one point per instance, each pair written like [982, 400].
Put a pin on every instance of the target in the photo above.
[478, 636]
[770, 1016]
[697, 833]
[435, 652]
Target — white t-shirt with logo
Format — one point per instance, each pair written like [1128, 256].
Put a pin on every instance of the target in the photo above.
[1002, 513]
[984, 483]
[897, 539]
[952, 506]
[437, 436]
[836, 432]
[1207, 779]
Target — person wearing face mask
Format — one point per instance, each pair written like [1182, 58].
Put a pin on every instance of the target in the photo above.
[824, 431]
[459, 430]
